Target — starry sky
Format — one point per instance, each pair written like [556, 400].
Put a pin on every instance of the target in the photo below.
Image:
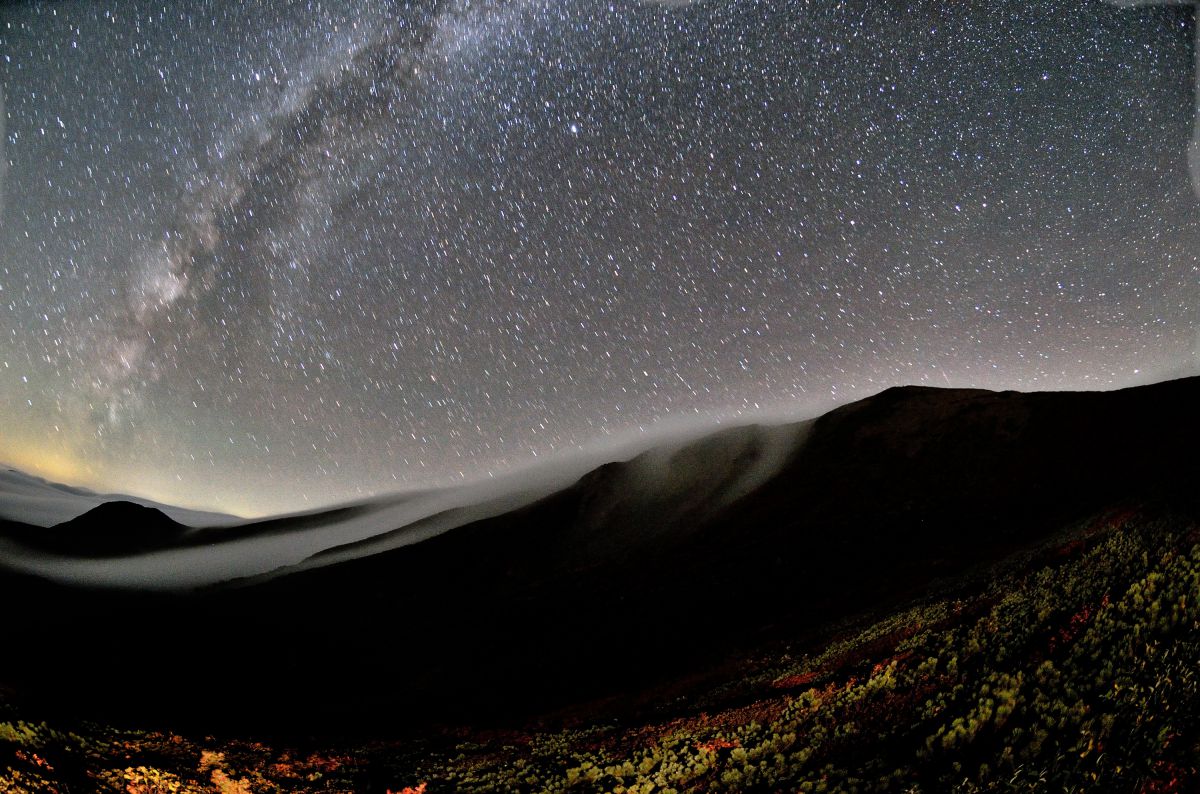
[263, 256]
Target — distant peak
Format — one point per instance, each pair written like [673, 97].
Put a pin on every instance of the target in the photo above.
[121, 512]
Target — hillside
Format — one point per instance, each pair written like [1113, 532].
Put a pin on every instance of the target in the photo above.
[893, 533]
[1067, 666]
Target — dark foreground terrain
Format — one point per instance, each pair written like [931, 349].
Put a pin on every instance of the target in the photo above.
[940, 590]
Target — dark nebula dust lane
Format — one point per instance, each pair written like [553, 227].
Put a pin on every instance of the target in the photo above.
[262, 257]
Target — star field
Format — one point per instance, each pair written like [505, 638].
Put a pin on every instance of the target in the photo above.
[260, 257]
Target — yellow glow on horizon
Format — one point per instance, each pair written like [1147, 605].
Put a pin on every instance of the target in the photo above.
[169, 491]
[64, 467]
[55, 465]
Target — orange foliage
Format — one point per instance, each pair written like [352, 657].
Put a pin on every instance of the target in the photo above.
[284, 769]
[35, 759]
[718, 744]
[227, 785]
[327, 764]
[801, 679]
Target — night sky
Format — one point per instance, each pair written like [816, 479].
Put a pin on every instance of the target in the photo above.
[263, 256]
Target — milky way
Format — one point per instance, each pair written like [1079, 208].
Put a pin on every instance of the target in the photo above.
[259, 257]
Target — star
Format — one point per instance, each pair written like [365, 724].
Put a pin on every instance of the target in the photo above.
[259, 258]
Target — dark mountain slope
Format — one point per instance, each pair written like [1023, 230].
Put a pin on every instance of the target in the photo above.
[898, 475]
[112, 528]
[507, 615]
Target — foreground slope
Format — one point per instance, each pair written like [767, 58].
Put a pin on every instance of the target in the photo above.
[1068, 666]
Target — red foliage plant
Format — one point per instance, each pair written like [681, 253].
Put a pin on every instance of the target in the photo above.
[713, 745]
[800, 679]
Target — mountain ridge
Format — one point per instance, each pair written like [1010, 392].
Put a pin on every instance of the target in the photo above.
[884, 497]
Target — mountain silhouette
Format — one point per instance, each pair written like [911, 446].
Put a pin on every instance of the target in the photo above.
[640, 573]
[109, 529]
